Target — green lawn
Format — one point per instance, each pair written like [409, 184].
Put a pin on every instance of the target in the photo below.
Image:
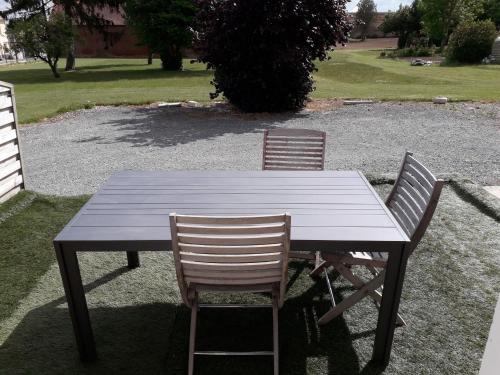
[350, 74]
[451, 286]
[361, 74]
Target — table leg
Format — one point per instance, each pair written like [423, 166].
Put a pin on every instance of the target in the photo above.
[393, 285]
[77, 305]
[133, 259]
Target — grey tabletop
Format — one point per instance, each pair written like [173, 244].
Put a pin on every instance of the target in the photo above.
[331, 210]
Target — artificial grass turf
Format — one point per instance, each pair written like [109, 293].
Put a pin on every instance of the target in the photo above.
[349, 74]
[451, 286]
[28, 223]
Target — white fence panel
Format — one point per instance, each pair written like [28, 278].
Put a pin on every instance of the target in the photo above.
[11, 170]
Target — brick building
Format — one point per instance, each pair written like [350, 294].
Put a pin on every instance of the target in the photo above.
[117, 41]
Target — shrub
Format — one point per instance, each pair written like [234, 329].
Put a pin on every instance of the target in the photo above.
[471, 41]
[409, 52]
[263, 50]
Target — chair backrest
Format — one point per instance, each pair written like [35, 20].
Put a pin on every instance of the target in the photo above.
[414, 198]
[231, 253]
[294, 149]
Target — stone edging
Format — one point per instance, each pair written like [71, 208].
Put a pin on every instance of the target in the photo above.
[18, 206]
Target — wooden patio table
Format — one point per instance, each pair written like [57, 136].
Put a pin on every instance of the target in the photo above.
[335, 211]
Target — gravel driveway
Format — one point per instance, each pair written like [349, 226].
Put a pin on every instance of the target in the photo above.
[75, 153]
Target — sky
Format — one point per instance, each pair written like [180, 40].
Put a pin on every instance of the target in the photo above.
[382, 5]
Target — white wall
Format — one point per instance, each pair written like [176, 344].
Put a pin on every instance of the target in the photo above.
[491, 358]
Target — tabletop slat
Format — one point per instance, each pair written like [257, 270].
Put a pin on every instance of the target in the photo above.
[247, 207]
[176, 192]
[241, 198]
[230, 181]
[236, 211]
[231, 174]
[148, 220]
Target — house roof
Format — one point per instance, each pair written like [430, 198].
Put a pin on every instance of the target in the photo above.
[113, 15]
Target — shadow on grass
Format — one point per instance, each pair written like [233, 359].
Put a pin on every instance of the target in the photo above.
[153, 338]
[84, 66]
[302, 342]
[167, 127]
[130, 340]
[98, 73]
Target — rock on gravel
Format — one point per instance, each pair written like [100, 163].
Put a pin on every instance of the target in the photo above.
[76, 153]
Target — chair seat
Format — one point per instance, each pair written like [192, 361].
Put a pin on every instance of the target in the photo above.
[375, 258]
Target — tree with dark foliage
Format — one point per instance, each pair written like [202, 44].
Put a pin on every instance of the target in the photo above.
[164, 26]
[491, 11]
[263, 51]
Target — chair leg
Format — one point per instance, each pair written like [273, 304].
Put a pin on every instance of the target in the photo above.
[352, 299]
[318, 259]
[358, 284]
[319, 268]
[373, 271]
[275, 335]
[192, 334]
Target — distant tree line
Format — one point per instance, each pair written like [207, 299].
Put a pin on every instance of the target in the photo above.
[433, 22]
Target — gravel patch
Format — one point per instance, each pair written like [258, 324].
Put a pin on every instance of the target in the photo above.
[77, 152]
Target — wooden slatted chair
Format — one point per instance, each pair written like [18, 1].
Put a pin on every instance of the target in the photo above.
[231, 254]
[294, 149]
[412, 202]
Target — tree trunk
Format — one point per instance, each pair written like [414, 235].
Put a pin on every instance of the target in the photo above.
[53, 67]
[150, 58]
[447, 22]
[70, 59]
[445, 33]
